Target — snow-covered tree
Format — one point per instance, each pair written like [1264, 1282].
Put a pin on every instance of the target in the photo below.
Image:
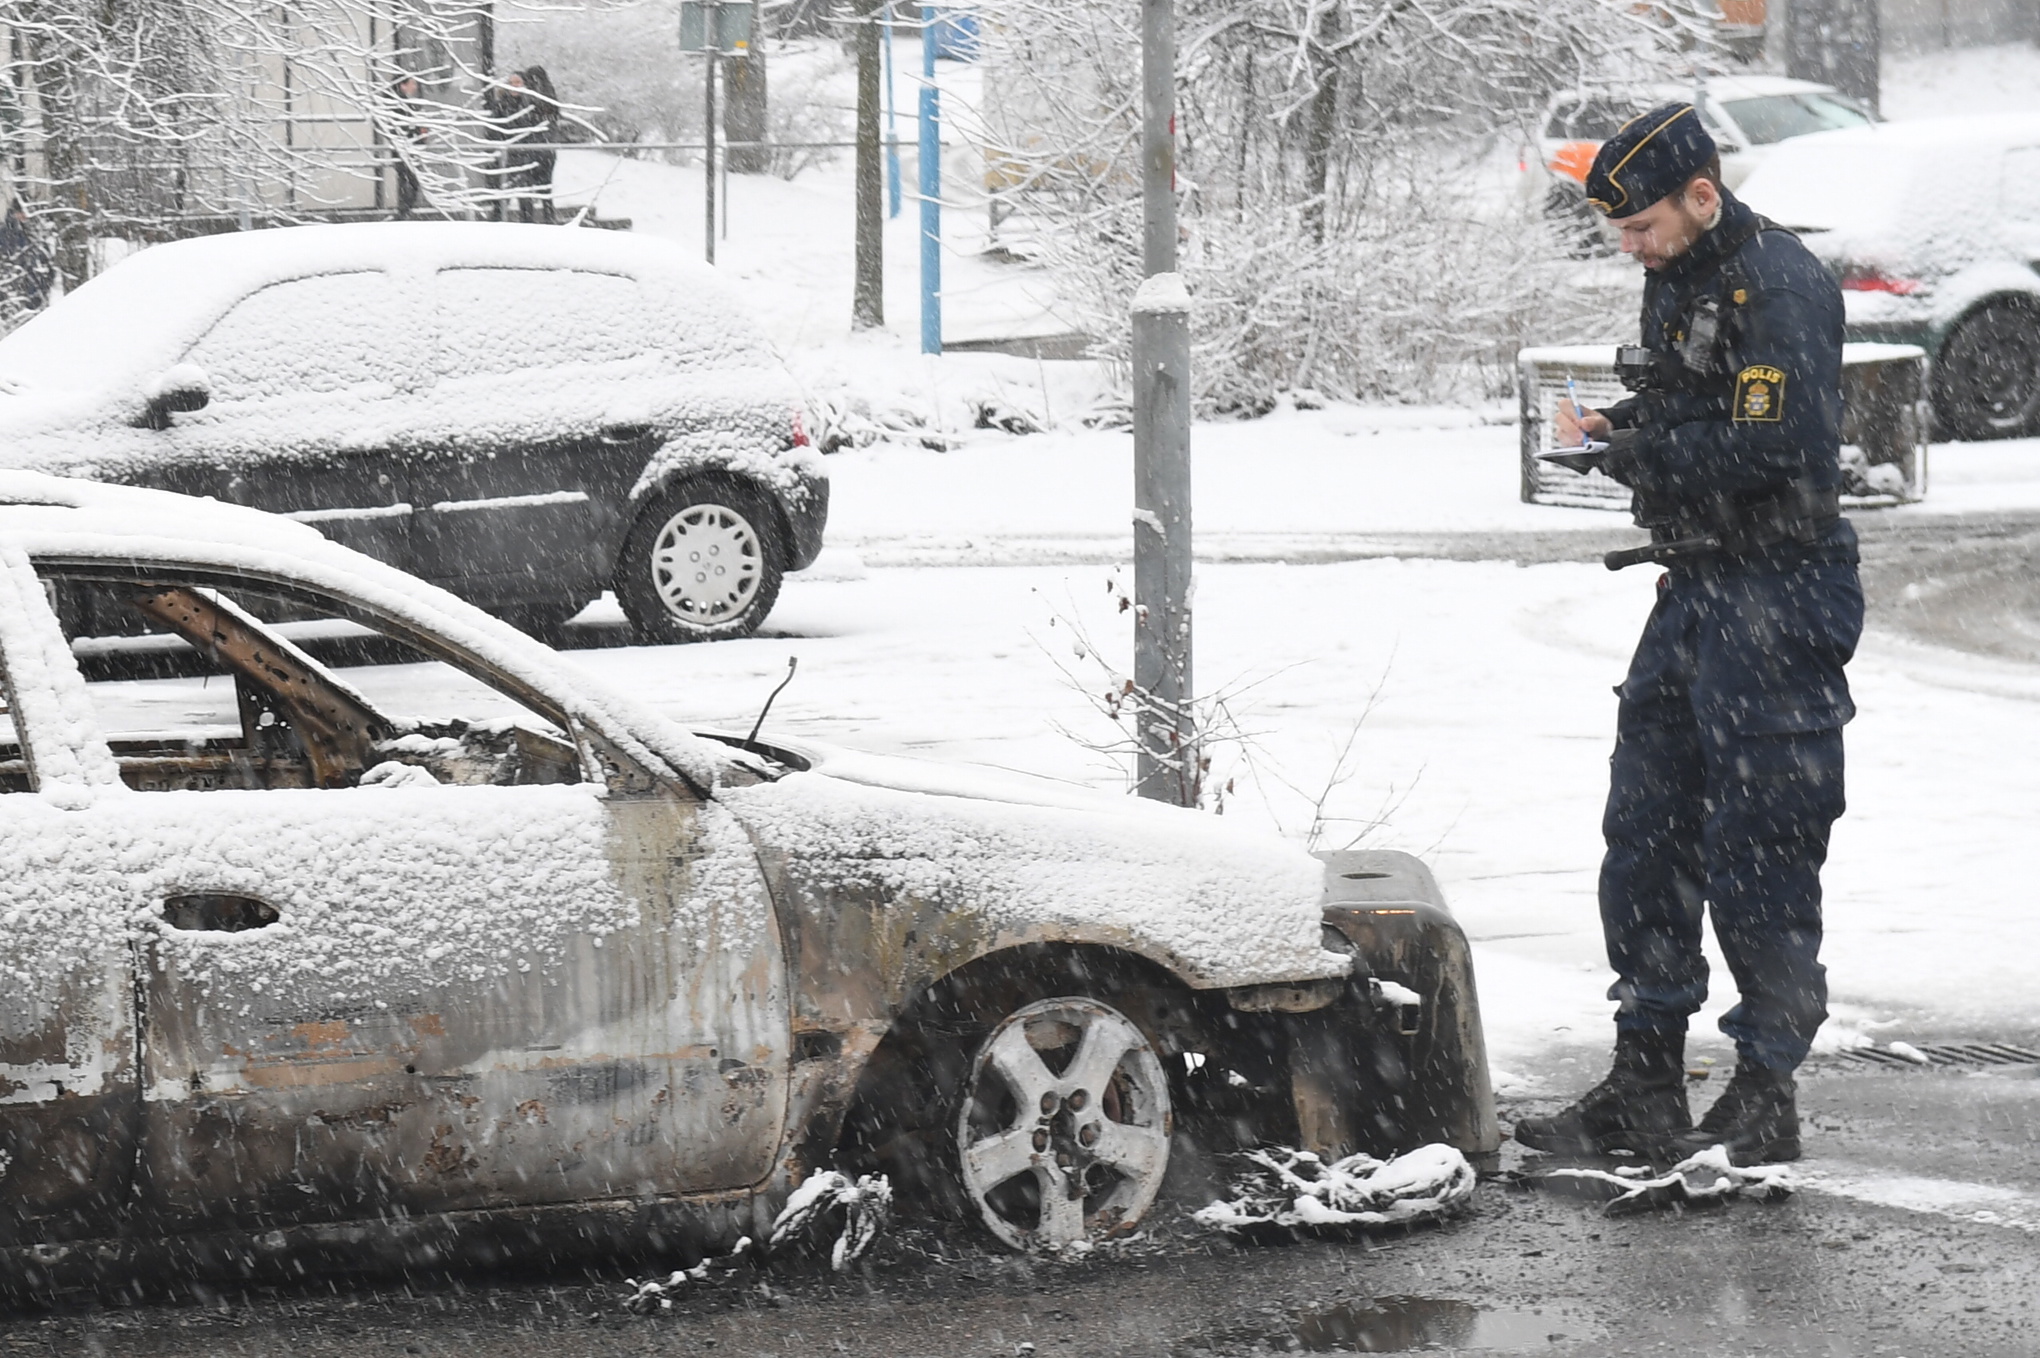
[1344, 168]
[136, 118]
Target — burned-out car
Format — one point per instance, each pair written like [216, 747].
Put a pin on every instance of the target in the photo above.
[344, 926]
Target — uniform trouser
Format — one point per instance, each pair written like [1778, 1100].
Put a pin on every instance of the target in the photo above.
[1726, 778]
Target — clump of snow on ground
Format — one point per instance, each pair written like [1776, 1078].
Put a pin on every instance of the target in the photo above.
[1294, 1188]
[1701, 1179]
[857, 1209]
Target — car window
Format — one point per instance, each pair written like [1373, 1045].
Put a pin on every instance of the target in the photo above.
[1775, 117]
[2021, 197]
[200, 689]
[351, 332]
[1595, 119]
[496, 321]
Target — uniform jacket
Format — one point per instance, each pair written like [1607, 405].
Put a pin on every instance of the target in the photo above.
[1768, 409]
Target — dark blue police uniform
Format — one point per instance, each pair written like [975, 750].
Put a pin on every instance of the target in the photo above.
[1727, 771]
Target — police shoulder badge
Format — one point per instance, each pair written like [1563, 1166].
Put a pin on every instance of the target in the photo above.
[1759, 395]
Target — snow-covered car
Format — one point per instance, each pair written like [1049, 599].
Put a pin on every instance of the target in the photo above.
[345, 926]
[1747, 115]
[1933, 228]
[526, 416]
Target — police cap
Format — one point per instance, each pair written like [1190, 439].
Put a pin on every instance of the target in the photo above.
[1650, 158]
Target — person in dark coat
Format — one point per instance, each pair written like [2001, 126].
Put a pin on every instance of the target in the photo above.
[26, 271]
[511, 116]
[1727, 771]
[410, 133]
[540, 162]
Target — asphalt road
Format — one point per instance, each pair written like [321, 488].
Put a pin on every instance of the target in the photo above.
[1917, 1231]
[1525, 1270]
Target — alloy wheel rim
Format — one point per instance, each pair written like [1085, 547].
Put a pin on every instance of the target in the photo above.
[1064, 1131]
[707, 564]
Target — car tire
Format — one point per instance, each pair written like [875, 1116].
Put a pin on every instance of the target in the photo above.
[921, 1099]
[703, 562]
[1061, 1126]
[1987, 374]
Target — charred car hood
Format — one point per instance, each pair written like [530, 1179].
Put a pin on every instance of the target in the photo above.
[1007, 859]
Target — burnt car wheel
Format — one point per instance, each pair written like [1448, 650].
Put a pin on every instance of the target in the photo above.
[1987, 376]
[703, 562]
[1062, 1130]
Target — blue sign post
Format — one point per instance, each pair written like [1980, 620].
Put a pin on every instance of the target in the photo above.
[931, 192]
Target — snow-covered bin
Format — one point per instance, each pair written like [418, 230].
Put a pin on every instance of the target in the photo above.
[1884, 422]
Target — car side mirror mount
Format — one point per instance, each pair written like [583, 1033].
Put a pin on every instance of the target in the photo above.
[177, 390]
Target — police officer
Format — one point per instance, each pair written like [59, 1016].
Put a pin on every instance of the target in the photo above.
[1727, 771]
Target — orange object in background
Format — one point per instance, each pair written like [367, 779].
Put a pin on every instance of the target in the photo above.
[1575, 158]
[1747, 13]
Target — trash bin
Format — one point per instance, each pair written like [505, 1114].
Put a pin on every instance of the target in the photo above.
[1884, 422]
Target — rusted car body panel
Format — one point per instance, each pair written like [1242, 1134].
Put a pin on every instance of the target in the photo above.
[587, 992]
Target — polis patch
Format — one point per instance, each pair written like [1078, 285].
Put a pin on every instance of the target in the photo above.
[1759, 395]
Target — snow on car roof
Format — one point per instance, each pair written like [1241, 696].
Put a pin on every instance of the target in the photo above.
[160, 299]
[1867, 177]
[57, 518]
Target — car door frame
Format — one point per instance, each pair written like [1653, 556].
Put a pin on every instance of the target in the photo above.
[705, 1090]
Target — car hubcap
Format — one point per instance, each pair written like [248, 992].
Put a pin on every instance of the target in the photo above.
[1064, 1131]
[706, 564]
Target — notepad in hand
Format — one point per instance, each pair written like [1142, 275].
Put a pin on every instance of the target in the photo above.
[1585, 458]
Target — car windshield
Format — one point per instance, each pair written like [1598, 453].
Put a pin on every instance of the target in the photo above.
[1775, 117]
[90, 338]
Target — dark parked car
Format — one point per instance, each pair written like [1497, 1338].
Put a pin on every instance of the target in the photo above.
[525, 416]
[294, 976]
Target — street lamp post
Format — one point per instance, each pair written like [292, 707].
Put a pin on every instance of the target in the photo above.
[1167, 768]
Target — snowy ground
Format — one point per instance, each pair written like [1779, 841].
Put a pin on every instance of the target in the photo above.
[931, 625]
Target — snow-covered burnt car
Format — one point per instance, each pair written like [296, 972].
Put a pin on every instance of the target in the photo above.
[527, 416]
[1933, 228]
[344, 926]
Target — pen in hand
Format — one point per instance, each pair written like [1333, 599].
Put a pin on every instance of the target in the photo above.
[1579, 416]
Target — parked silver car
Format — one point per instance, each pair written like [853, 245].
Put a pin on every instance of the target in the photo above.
[344, 926]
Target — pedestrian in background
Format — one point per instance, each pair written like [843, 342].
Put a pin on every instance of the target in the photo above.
[26, 271]
[1727, 771]
[541, 160]
[409, 136]
[508, 114]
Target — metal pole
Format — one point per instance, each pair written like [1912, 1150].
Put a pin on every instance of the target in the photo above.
[1161, 442]
[708, 149]
[892, 128]
[931, 191]
[867, 297]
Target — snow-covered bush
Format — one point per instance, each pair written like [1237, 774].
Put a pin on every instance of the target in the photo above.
[1345, 167]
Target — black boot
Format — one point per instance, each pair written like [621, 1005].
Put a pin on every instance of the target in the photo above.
[1756, 1117]
[1637, 1108]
